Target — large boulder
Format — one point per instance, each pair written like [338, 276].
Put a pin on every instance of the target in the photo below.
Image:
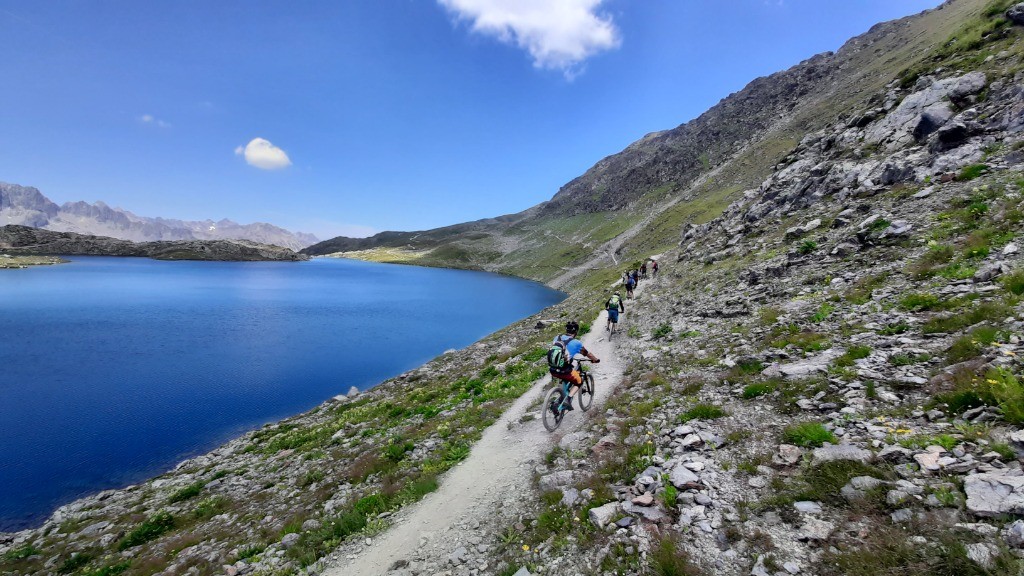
[1016, 14]
[923, 112]
[993, 494]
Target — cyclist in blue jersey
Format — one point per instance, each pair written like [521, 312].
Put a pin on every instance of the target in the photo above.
[573, 346]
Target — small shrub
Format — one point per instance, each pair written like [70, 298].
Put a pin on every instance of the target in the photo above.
[1004, 450]
[880, 224]
[853, 353]
[250, 551]
[860, 292]
[702, 412]
[22, 552]
[669, 559]
[758, 389]
[986, 311]
[920, 301]
[670, 495]
[210, 507]
[109, 570]
[807, 246]
[808, 434]
[75, 561]
[151, 529]
[903, 359]
[971, 172]
[661, 331]
[190, 491]
[311, 477]
[964, 348]
[535, 354]
[770, 314]
[998, 387]
[1014, 282]
[824, 311]
[894, 329]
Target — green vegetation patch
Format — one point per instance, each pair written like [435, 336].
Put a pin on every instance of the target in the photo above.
[999, 387]
[151, 529]
[852, 354]
[190, 491]
[808, 434]
[703, 412]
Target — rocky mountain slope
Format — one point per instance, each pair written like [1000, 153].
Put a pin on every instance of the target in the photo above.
[26, 206]
[689, 173]
[824, 379]
[25, 240]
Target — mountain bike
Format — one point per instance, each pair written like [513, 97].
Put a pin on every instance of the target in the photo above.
[555, 403]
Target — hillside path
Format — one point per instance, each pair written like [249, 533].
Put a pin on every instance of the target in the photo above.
[498, 471]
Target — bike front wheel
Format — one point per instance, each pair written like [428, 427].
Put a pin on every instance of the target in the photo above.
[586, 393]
[552, 407]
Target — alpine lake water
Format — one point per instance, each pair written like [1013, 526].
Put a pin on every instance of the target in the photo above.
[113, 370]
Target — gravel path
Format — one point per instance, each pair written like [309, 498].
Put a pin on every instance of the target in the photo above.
[495, 475]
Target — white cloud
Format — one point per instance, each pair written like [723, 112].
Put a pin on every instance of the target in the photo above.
[264, 155]
[153, 121]
[558, 34]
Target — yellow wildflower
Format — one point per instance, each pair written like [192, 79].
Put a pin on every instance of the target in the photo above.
[526, 548]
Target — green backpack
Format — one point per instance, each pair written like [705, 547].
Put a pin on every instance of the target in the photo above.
[613, 303]
[558, 356]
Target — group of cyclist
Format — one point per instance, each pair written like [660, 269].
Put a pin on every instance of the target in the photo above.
[566, 346]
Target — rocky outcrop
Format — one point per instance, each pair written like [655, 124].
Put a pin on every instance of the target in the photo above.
[25, 240]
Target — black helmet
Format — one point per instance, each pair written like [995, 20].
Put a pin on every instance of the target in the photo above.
[571, 327]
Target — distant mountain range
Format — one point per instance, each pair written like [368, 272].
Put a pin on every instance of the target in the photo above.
[26, 206]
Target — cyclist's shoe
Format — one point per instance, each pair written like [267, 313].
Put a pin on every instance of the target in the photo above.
[568, 404]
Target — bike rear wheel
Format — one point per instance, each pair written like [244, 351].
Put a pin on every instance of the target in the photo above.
[552, 407]
[586, 393]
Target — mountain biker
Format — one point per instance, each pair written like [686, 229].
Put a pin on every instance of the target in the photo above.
[614, 305]
[567, 346]
[630, 284]
[654, 266]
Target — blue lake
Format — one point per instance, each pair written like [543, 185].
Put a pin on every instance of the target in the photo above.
[112, 370]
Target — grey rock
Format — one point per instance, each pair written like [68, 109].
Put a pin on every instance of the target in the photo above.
[788, 454]
[289, 540]
[522, 572]
[681, 476]
[311, 524]
[458, 556]
[602, 515]
[555, 480]
[902, 515]
[832, 452]
[992, 494]
[648, 513]
[759, 568]
[807, 507]
[815, 529]
[983, 554]
[1014, 534]
[1016, 14]
[988, 272]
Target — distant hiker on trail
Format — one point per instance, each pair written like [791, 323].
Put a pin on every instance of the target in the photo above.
[614, 305]
[560, 355]
[643, 270]
[630, 284]
[654, 268]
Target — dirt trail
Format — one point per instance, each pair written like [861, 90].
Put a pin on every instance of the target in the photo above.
[498, 471]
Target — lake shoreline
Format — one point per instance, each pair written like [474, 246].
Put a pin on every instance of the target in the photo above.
[126, 503]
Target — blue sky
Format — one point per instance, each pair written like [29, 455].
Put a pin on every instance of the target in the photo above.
[355, 116]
